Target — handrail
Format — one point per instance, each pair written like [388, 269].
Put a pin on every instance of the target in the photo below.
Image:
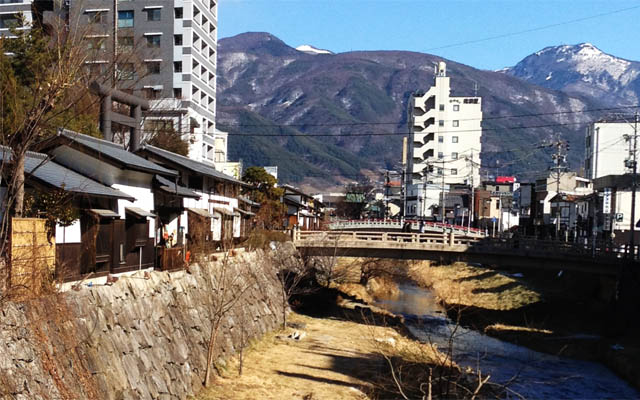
[519, 245]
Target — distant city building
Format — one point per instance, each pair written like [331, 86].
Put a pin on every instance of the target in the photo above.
[444, 145]
[606, 148]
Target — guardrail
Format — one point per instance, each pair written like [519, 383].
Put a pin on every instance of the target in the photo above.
[397, 224]
[450, 241]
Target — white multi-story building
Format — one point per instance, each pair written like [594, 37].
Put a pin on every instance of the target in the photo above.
[444, 147]
[162, 50]
[606, 148]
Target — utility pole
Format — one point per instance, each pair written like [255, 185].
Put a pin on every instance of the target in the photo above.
[471, 214]
[443, 194]
[559, 166]
[633, 143]
[115, 43]
[386, 194]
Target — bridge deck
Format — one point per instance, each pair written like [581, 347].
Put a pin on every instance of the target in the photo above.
[524, 252]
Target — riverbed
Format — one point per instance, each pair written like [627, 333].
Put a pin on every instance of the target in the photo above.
[526, 372]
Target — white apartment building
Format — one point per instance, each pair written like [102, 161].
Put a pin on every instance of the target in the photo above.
[165, 51]
[606, 148]
[444, 144]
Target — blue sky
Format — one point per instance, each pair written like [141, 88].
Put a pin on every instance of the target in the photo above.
[430, 26]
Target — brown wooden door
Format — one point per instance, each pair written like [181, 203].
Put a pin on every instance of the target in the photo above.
[118, 249]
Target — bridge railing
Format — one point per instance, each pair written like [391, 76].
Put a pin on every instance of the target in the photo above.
[398, 224]
[519, 245]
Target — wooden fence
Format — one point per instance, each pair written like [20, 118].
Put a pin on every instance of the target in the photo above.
[33, 256]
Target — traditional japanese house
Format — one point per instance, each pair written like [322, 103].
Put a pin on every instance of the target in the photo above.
[121, 235]
[301, 209]
[248, 210]
[214, 220]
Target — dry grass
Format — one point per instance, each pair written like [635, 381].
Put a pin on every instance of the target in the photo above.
[337, 359]
[461, 285]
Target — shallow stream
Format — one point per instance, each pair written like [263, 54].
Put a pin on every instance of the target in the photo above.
[529, 373]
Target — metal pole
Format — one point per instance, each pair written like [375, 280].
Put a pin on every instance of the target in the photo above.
[443, 198]
[633, 190]
[115, 42]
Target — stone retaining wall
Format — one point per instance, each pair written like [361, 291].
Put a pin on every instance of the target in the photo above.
[138, 338]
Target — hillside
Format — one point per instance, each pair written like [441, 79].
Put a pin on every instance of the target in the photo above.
[341, 96]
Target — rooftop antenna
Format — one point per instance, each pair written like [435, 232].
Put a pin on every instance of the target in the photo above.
[475, 89]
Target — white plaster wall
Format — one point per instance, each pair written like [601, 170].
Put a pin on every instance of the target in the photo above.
[143, 199]
[69, 234]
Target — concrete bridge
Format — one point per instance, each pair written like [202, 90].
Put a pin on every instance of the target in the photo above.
[387, 225]
[450, 247]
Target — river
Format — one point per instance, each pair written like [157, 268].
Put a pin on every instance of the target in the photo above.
[531, 374]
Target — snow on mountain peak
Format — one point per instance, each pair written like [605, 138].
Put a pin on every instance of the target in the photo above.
[305, 48]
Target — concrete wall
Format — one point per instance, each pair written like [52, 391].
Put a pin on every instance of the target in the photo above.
[138, 338]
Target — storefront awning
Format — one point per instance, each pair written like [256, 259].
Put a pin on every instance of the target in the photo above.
[201, 212]
[139, 212]
[104, 213]
[222, 209]
[243, 212]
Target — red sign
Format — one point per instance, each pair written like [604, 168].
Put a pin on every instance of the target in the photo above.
[505, 179]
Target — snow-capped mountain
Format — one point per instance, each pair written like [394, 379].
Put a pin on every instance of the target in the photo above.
[306, 48]
[582, 69]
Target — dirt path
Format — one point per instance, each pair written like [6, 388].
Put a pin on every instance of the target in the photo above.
[335, 360]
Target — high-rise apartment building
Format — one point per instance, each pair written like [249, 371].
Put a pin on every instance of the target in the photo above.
[161, 50]
[444, 144]
[606, 148]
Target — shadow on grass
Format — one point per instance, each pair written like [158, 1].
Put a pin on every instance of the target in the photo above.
[497, 289]
[484, 275]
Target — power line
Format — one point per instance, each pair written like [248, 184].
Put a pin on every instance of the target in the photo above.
[336, 124]
[536, 29]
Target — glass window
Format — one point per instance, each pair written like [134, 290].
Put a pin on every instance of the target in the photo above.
[456, 107]
[127, 71]
[177, 12]
[441, 123]
[125, 19]
[177, 93]
[97, 17]
[454, 155]
[440, 139]
[441, 107]
[153, 67]
[177, 66]
[454, 139]
[177, 40]
[154, 14]
[454, 171]
[440, 171]
[153, 40]
[440, 154]
[125, 43]
[456, 123]
[9, 21]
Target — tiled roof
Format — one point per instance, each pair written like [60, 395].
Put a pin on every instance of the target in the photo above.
[170, 187]
[115, 152]
[192, 165]
[48, 172]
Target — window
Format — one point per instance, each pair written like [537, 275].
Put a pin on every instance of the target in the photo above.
[177, 66]
[454, 171]
[441, 123]
[441, 107]
[454, 155]
[153, 67]
[440, 171]
[125, 19]
[177, 12]
[152, 93]
[177, 40]
[454, 139]
[498, 205]
[154, 14]
[177, 93]
[153, 40]
[127, 71]
[440, 154]
[97, 17]
[456, 123]
[440, 139]
[125, 43]
[96, 44]
[456, 107]
[8, 21]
